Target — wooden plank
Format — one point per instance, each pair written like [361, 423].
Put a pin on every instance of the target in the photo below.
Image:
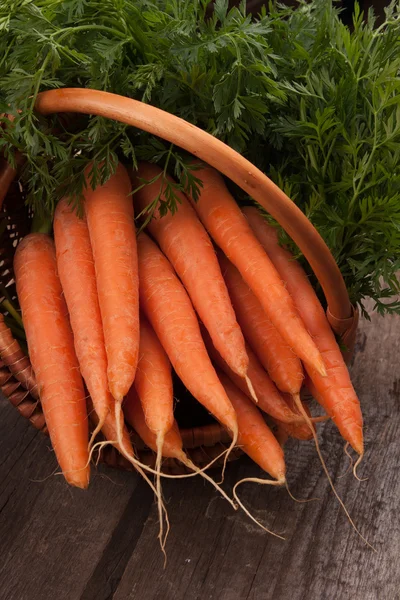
[58, 543]
[51, 536]
[214, 553]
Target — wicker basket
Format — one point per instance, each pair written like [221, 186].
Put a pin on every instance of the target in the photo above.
[202, 443]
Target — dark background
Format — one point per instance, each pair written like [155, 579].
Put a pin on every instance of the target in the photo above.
[254, 6]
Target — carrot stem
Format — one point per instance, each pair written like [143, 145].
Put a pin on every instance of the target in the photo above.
[8, 306]
[41, 224]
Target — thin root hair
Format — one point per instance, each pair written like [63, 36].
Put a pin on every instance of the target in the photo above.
[246, 511]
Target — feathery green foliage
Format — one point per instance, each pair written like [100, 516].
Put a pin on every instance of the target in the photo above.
[315, 105]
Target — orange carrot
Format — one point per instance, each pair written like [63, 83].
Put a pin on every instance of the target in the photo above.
[77, 275]
[135, 416]
[258, 441]
[334, 392]
[280, 433]
[153, 381]
[275, 355]
[52, 354]
[269, 398]
[255, 437]
[169, 310]
[153, 384]
[109, 429]
[110, 219]
[225, 222]
[281, 407]
[299, 431]
[188, 247]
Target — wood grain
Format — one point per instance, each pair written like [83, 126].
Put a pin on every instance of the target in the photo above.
[62, 544]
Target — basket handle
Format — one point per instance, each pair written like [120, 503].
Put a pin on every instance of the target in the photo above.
[340, 313]
[227, 161]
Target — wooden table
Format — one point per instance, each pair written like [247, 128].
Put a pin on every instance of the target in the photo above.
[62, 544]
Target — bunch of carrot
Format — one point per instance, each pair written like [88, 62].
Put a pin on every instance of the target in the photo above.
[108, 314]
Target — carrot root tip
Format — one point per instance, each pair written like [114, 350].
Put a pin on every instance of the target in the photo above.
[322, 369]
[273, 482]
[160, 503]
[351, 462]
[325, 468]
[96, 431]
[359, 459]
[231, 447]
[320, 419]
[251, 389]
[299, 500]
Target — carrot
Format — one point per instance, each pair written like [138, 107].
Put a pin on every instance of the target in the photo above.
[110, 219]
[225, 222]
[77, 275]
[339, 400]
[276, 356]
[169, 310]
[281, 434]
[153, 381]
[135, 416]
[109, 429]
[185, 242]
[299, 431]
[334, 392]
[280, 406]
[52, 354]
[172, 447]
[255, 437]
[269, 398]
[229, 162]
[153, 384]
[258, 441]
